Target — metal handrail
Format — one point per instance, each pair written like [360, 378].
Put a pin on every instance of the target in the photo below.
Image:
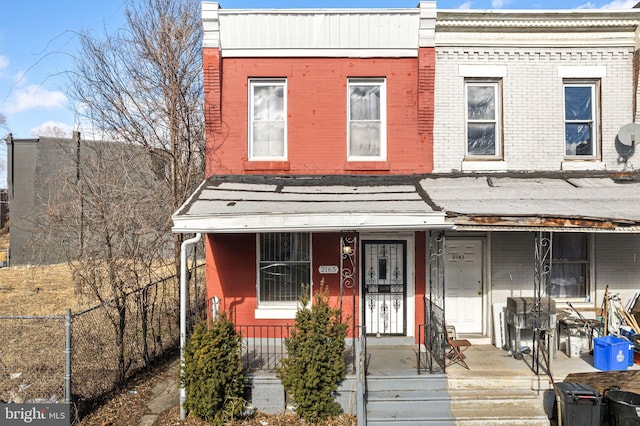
[361, 376]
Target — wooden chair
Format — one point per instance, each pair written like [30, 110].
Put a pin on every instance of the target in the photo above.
[456, 347]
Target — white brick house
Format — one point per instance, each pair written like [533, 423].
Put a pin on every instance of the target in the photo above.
[535, 100]
[531, 56]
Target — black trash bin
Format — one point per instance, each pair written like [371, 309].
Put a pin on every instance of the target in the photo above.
[623, 407]
[580, 404]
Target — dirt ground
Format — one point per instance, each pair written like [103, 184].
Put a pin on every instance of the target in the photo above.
[127, 407]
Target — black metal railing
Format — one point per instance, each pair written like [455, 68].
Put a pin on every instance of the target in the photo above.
[422, 361]
[360, 364]
[431, 356]
[263, 346]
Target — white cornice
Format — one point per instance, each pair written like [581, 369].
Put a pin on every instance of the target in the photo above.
[529, 28]
[363, 32]
[530, 20]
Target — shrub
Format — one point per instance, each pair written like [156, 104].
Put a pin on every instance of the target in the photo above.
[213, 375]
[314, 366]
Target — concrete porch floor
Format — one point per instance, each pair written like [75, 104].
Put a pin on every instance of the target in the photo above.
[401, 359]
[489, 358]
[493, 369]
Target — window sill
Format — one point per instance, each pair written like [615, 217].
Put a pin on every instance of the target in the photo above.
[583, 165]
[280, 312]
[367, 165]
[484, 165]
[266, 165]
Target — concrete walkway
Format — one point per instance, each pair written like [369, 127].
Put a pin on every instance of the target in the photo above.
[165, 395]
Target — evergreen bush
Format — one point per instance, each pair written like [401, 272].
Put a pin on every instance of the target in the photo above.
[315, 366]
[213, 375]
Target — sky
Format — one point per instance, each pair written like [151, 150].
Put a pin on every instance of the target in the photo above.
[38, 39]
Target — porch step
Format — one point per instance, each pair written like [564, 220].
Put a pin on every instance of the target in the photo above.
[495, 398]
[497, 380]
[410, 400]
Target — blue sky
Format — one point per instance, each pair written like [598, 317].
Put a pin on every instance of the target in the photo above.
[37, 42]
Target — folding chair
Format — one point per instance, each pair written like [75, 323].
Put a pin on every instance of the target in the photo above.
[456, 347]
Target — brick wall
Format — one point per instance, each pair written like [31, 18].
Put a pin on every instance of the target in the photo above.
[532, 100]
[317, 116]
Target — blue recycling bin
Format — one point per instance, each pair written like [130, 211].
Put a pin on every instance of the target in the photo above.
[610, 353]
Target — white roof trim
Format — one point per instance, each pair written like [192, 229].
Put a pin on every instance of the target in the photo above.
[325, 53]
[250, 204]
[320, 222]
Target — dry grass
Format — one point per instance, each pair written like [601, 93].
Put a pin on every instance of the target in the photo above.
[37, 290]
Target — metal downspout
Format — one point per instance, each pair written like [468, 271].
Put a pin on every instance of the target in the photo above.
[183, 313]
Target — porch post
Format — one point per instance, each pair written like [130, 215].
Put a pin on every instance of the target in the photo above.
[434, 309]
[542, 266]
[348, 276]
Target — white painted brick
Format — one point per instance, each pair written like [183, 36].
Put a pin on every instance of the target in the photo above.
[533, 126]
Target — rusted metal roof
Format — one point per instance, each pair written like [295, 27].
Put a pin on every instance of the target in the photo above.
[594, 202]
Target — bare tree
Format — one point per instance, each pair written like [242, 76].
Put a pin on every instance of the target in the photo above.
[143, 86]
[106, 214]
[51, 130]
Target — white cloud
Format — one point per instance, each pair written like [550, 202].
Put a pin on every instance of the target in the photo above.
[465, 5]
[4, 62]
[50, 128]
[33, 96]
[620, 4]
[613, 4]
[498, 4]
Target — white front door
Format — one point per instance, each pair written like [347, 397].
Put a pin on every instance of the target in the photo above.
[463, 285]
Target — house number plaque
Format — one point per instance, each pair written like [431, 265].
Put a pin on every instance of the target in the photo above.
[328, 269]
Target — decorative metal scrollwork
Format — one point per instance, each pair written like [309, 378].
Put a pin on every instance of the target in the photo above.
[371, 276]
[371, 303]
[384, 314]
[397, 302]
[396, 276]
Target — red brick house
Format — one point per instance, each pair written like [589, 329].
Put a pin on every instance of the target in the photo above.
[316, 119]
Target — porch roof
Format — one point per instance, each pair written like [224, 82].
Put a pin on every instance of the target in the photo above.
[259, 203]
[560, 201]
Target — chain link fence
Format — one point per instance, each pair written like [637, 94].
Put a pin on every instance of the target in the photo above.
[108, 344]
[32, 358]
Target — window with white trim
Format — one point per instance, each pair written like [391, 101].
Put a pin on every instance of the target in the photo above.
[367, 119]
[580, 119]
[267, 119]
[284, 267]
[570, 265]
[483, 130]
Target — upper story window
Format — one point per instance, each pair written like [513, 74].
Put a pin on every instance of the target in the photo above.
[267, 119]
[367, 123]
[580, 119]
[483, 119]
[284, 267]
[570, 265]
